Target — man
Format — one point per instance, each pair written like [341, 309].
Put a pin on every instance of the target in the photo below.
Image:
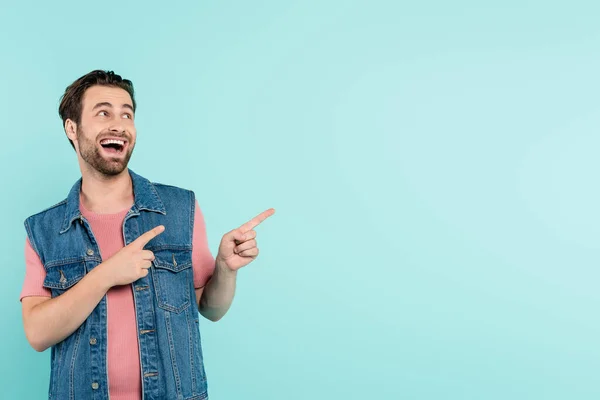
[117, 272]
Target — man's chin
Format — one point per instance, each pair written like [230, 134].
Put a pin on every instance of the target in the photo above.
[111, 168]
[108, 166]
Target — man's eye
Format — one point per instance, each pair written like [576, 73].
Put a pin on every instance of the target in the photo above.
[103, 113]
[129, 116]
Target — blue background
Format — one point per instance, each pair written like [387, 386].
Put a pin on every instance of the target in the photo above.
[433, 166]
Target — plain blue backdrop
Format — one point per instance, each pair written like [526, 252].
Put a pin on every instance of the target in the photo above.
[433, 166]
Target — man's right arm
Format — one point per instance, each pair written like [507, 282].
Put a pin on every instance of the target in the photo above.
[49, 321]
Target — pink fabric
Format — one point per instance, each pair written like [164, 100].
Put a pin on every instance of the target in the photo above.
[123, 358]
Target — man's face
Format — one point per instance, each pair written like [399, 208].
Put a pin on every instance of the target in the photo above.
[106, 133]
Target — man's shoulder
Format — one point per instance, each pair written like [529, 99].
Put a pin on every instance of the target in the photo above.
[166, 188]
[169, 192]
[58, 207]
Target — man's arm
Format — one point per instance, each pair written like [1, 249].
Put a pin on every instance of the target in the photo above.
[237, 249]
[49, 321]
[216, 297]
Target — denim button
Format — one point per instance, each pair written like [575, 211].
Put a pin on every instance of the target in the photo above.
[93, 340]
[90, 252]
[95, 385]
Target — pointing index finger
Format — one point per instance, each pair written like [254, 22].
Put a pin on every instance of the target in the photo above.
[148, 236]
[253, 223]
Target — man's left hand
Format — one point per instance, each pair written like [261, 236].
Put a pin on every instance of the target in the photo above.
[238, 247]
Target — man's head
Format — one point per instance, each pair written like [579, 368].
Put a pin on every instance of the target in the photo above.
[96, 108]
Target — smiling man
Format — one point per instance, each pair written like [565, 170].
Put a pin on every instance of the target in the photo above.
[117, 272]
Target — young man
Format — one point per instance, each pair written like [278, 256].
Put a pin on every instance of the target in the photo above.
[117, 272]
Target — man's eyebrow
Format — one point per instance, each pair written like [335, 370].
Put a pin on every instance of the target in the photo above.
[109, 105]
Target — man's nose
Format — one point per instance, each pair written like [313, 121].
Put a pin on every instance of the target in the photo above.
[116, 127]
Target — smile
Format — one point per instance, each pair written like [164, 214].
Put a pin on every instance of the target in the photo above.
[113, 146]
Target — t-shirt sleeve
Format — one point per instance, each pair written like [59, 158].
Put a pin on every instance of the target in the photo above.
[203, 262]
[35, 274]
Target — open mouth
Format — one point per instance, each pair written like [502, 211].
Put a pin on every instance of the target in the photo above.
[113, 146]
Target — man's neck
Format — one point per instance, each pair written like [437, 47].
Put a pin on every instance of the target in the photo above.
[103, 194]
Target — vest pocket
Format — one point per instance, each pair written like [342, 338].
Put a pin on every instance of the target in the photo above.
[172, 274]
[62, 276]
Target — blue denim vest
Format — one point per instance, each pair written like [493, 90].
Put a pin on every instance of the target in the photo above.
[167, 316]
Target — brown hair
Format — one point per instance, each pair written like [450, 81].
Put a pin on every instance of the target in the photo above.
[71, 102]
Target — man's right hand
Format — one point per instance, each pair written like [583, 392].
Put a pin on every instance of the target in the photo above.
[131, 262]
[48, 321]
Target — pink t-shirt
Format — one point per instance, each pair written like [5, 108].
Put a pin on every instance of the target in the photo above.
[124, 374]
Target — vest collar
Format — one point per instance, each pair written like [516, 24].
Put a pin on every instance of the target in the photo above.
[145, 198]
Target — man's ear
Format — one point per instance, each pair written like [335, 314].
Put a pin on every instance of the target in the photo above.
[71, 129]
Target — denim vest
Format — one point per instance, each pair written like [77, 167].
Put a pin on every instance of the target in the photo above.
[166, 312]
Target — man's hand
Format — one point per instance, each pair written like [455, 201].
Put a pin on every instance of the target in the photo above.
[48, 321]
[131, 262]
[238, 247]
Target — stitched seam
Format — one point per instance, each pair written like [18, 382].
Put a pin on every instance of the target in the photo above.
[171, 247]
[170, 267]
[49, 283]
[30, 234]
[192, 218]
[172, 352]
[192, 215]
[191, 352]
[65, 261]
[71, 372]
[169, 186]
[203, 396]
[60, 203]
[163, 303]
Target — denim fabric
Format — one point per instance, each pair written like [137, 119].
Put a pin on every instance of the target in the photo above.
[167, 317]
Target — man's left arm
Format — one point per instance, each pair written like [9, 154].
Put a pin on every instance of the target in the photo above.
[216, 297]
[237, 249]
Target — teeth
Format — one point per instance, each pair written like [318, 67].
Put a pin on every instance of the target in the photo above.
[108, 141]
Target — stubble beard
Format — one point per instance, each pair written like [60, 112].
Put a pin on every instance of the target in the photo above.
[90, 153]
